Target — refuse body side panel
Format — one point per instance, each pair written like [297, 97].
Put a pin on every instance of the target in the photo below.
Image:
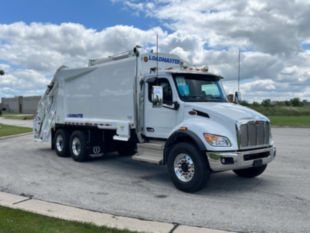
[98, 94]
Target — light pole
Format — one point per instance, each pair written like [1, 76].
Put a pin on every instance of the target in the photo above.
[1, 73]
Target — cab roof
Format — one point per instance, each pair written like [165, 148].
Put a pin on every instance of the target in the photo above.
[186, 72]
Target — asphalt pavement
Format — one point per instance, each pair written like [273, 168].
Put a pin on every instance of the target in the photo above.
[277, 201]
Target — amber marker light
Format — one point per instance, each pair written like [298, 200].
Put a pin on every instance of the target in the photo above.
[210, 137]
[183, 129]
[217, 140]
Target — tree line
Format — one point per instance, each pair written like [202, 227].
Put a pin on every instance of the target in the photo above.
[294, 102]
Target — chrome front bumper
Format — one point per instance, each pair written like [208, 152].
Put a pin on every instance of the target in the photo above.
[223, 161]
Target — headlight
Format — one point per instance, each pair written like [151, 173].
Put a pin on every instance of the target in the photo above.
[217, 140]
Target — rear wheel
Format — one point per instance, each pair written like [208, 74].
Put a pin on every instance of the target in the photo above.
[78, 149]
[250, 172]
[188, 168]
[61, 143]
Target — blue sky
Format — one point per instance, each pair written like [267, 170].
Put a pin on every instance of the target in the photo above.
[96, 14]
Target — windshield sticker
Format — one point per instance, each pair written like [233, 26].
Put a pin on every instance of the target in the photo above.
[182, 86]
[211, 89]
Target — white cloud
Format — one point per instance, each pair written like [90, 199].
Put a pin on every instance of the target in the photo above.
[30, 54]
[270, 26]
[269, 33]
[45, 47]
[18, 82]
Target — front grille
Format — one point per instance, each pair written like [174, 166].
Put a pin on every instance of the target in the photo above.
[254, 134]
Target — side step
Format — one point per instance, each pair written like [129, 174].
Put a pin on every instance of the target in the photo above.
[150, 152]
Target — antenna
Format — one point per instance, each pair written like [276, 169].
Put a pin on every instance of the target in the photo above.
[239, 71]
[157, 53]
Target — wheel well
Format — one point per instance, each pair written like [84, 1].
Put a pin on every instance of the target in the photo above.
[178, 137]
[53, 132]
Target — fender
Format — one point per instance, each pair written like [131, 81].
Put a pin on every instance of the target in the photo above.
[182, 136]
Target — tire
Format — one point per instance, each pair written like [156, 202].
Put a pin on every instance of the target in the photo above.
[250, 172]
[127, 149]
[61, 143]
[192, 181]
[77, 146]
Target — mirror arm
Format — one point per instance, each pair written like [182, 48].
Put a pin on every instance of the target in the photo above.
[176, 105]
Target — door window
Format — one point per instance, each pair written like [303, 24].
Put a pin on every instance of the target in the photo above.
[167, 91]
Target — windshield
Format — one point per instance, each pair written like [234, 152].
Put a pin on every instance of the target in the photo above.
[199, 88]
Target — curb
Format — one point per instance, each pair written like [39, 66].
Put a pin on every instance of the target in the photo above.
[100, 219]
[15, 136]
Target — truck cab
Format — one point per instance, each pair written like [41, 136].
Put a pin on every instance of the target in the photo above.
[188, 116]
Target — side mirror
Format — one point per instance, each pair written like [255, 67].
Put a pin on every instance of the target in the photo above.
[234, 98]
[157, 96]
[238, 97]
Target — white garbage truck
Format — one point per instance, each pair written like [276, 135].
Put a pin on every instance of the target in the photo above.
[157, 109]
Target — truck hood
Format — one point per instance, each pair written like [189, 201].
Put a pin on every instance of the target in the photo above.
[227, 110]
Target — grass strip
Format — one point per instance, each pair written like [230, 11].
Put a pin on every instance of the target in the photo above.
[19, 221]
[8, 130]
[292, 121]
[18, 116]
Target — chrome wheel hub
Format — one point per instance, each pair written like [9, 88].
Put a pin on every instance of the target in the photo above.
[76, 146]
[60, 143]
[184, 167]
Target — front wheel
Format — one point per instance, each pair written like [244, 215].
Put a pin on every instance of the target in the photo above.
[188, 168]
[250, 172]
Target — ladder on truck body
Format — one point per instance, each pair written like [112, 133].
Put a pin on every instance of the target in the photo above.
[46, 113]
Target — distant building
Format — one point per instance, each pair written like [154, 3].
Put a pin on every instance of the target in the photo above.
[20, 104]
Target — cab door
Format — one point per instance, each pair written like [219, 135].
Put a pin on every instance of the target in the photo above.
[159, 121]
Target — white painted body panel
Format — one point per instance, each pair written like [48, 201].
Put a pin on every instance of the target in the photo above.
[101, 95]
[163, 120]
[222, 121]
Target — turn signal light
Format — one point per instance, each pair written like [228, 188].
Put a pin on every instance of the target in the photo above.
[183, 129]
